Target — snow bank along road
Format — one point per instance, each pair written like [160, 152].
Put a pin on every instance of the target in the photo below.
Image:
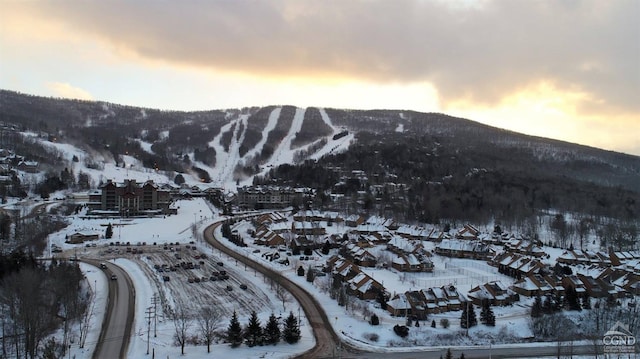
[327, 341]
[118, 319]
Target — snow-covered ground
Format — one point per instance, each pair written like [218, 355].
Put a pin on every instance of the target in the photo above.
[512, 323]
[175, 229]
[350, 323]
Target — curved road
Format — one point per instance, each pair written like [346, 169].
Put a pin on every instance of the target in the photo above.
[330, 345]
[327, 341]
[118, 319]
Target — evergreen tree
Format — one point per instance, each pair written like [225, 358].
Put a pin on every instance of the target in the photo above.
[291, 331]
[234, 331]
[375, 320]
[487, 317]
[272, 331]
[586, 301]
[558, 302]
[448, 355]
[300, 271]
[433, 323]
[253, 331]
[382, 299]
[179, 179]
[547, 306]
[536, 308]
[326, 247]
[571, 299]
[468, 318]
[109, 231]
[310, 275]
[461, 355]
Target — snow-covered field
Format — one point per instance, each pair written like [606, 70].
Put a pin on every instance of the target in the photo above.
[185, 228]
[178, 292]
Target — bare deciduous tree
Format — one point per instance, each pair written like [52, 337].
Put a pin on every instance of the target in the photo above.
[283, 295]
[208, 320]
[181, 323]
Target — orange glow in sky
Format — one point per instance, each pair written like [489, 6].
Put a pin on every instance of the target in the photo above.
[514, 65]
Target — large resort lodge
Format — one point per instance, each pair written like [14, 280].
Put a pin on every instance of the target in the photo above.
[129, 199]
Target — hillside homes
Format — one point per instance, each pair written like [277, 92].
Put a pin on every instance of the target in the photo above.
[457, 248]
[410, 255]
[496, 292]
[420, 303]
[517, 265]
[356, 281]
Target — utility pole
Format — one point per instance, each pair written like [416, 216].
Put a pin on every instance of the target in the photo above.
[148, 312]
[154, 301]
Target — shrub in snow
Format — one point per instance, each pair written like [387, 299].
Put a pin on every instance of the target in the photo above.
[444, 322]
[401, 330]
[372, 337]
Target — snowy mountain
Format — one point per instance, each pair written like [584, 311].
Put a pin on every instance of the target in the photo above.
[482, 169]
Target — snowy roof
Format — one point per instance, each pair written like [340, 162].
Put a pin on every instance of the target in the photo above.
[399, 302]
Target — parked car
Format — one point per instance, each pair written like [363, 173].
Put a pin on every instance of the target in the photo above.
[243, 286]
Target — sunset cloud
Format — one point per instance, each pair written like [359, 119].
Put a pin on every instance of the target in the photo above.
[466, 55]
[61, 89]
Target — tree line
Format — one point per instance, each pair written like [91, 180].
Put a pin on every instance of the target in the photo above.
[35, 301]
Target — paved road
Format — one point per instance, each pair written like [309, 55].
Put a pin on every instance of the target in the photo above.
[118, 319]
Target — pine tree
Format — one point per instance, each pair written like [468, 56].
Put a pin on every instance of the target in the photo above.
[326, 248]
[382, 299]
[234, 331]
[433, 323]
[468, 318]
[253, 331]
[291, 331]
[448, 355]
[300, 271]
[375, 320]
[547, 306]
[536, 308]
[571, 299]
[109, 231]
[272, 331]
[310, 275]
[486, 315]
[586, 301]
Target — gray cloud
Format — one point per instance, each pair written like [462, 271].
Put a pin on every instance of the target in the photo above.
[481, 53]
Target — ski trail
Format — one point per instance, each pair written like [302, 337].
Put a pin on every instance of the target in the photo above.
[332, 145]
[273, 121]
[327, 119]
[285, 146]
[226, 161]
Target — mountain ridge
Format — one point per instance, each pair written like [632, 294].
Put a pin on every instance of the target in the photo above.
[182, 141]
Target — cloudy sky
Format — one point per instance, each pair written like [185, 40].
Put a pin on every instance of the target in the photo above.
[565, 69]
